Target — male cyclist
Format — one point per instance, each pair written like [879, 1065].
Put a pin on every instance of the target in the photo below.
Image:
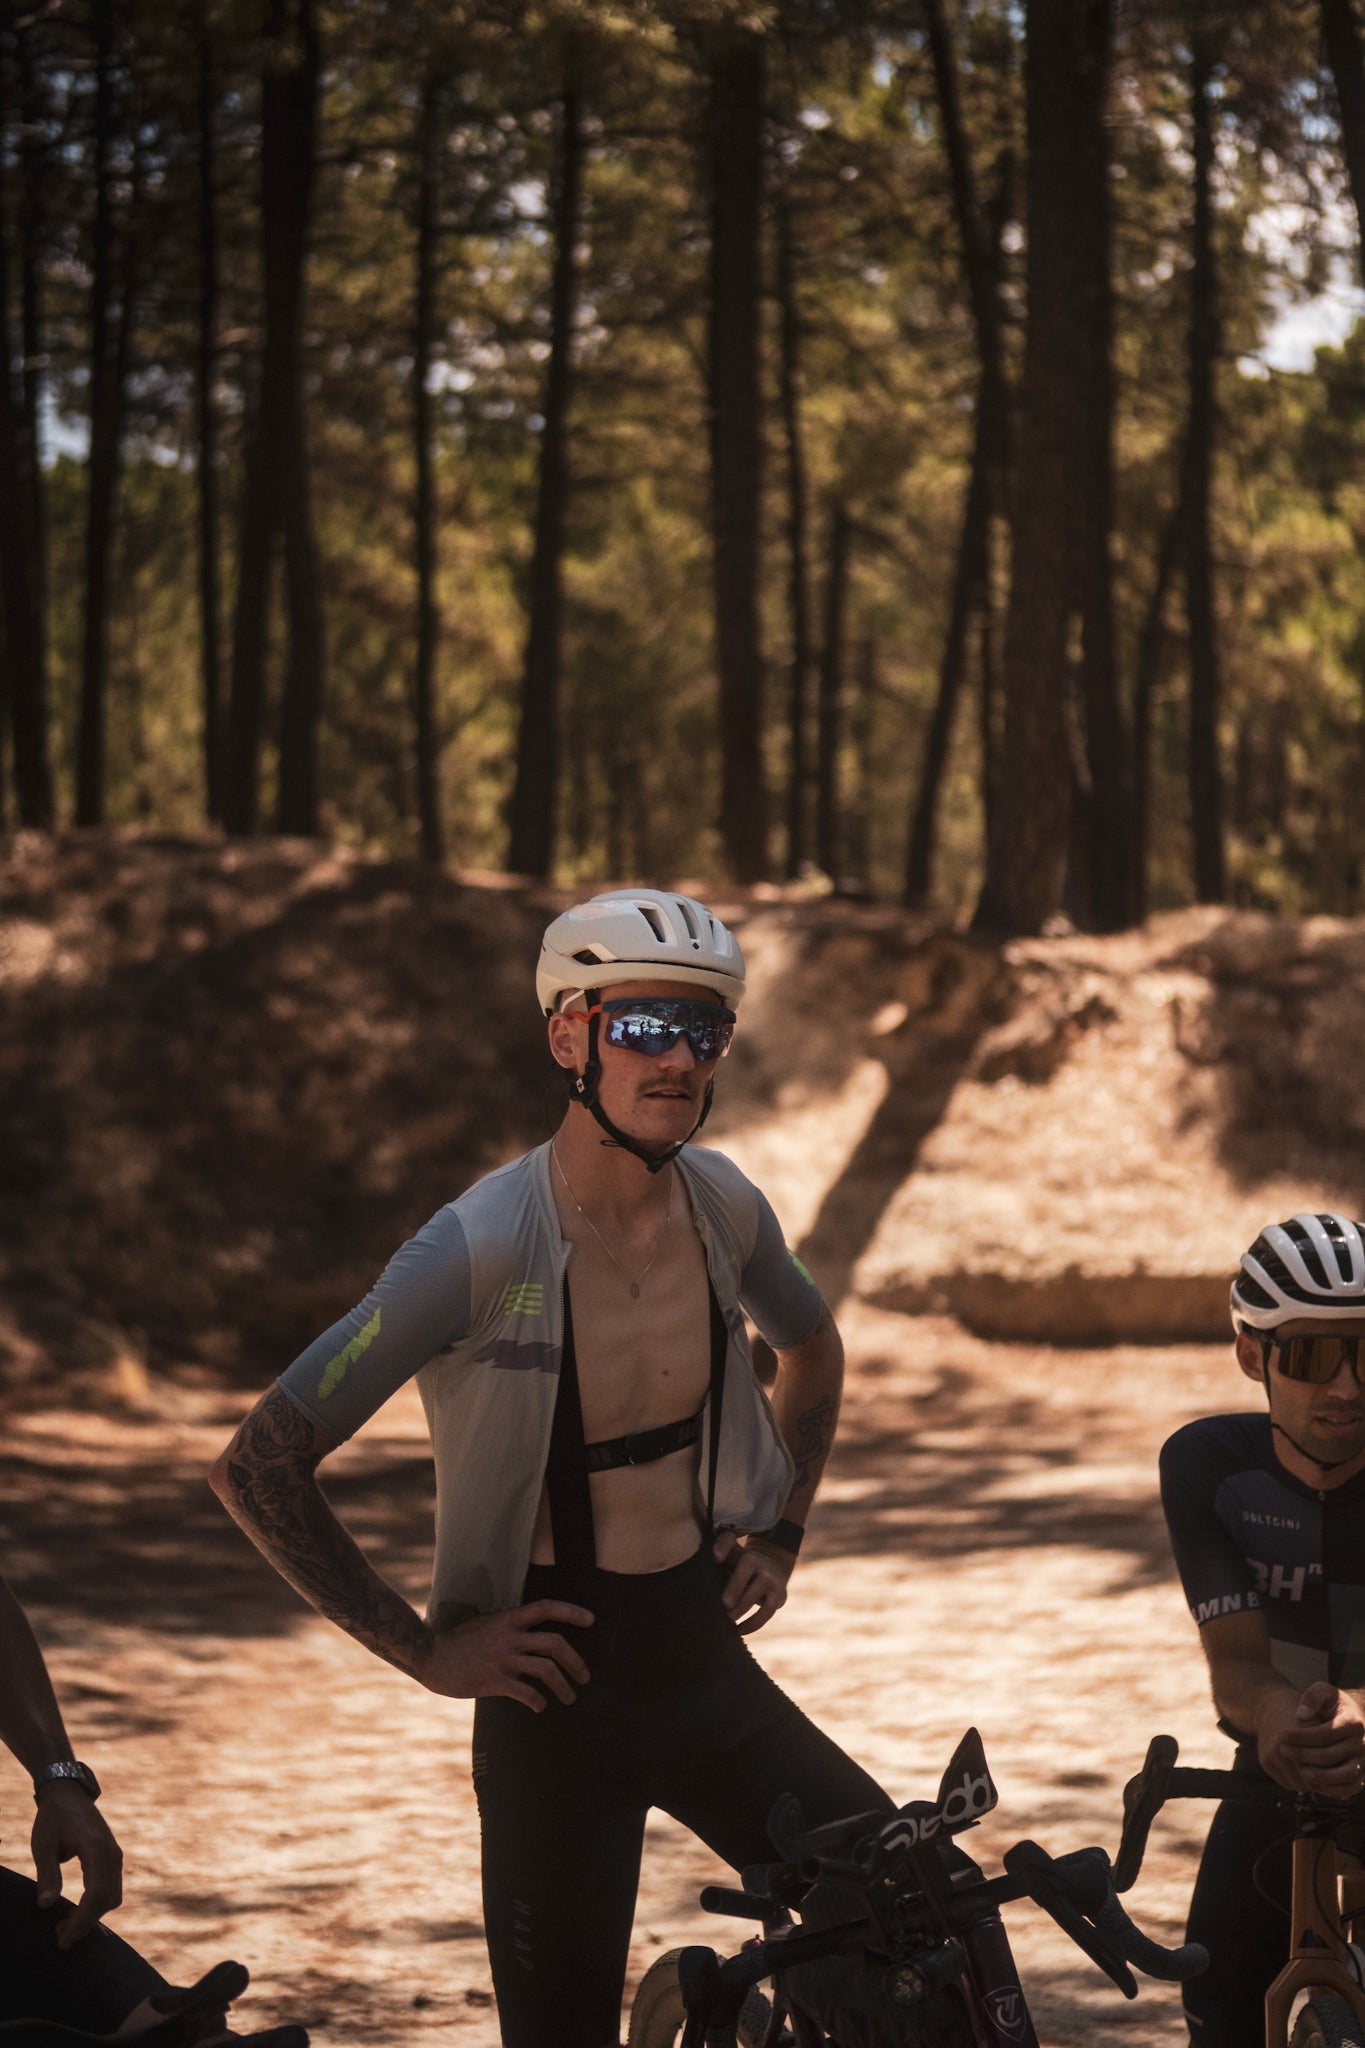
[617, 1502]
[1267, 1520]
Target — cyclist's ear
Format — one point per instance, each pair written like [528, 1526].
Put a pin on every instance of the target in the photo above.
[1248, 1351]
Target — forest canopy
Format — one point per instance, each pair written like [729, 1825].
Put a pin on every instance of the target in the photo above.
[811, 439]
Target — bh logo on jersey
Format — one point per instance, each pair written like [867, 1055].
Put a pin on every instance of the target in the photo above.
[964, 1795]
[1006, 2008]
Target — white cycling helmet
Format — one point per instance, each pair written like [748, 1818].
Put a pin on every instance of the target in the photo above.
[1310, 1266]
[638, 935]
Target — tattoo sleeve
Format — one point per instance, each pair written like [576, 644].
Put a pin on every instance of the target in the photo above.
[814, 1433]
[271, 1489]
[810, 1380]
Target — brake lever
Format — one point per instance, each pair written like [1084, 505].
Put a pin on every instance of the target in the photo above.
[1143, 1798]
[1035, 1870]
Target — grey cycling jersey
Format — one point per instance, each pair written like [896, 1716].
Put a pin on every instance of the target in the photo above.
[473, 1306]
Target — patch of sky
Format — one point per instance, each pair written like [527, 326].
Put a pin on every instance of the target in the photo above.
[1323, 321]
[62, 434]
[528, 196]
[1305, 320]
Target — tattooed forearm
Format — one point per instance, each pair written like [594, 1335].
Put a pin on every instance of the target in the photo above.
[809, 1384]
[267, 1481]
[812, 1435]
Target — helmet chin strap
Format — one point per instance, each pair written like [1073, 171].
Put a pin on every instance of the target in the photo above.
[1323, 1464]
[583, 1089]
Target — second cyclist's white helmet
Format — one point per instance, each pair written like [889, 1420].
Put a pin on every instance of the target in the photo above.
[1310, 1266]
[638, 935]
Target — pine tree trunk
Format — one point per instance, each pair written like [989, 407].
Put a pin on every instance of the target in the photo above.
[275, 441]
[1106, 824]
[979, 234]
[735, 165]
[829, 709]
[970, 578]
[206, 367]
[798, 597]
[1026, 864]
[1341, 36]
[20, 577]
[296, 119]
[858, 838]
[102, 465]
[1146, 673]
[261, 488]
[33, 211]
[296, 809]
[534, 812]
[426, 741]
[1206, 775]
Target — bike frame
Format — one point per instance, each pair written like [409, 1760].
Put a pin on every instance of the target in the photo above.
[1326, 1902]
[991, 1987]
[1317, 1930]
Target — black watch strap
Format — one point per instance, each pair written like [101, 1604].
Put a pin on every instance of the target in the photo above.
[786, 1535]
[74, 1773]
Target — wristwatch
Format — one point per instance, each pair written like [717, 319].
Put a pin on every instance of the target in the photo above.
[79, 1774]
[786, 1535]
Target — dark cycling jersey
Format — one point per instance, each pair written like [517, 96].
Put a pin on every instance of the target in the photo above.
[1248, 1535]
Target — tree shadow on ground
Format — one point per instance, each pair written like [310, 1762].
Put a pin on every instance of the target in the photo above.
[144, 1543]
[923, 1067]
[141, 1541]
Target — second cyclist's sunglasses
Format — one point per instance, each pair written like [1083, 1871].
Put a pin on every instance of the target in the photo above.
[654, 1024]
[1316, 1359]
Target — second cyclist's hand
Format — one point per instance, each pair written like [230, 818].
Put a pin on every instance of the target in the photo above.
[757, 1585]
[516, 1656]
[1325, 1745]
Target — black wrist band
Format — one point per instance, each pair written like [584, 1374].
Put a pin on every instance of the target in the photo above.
[786, 1535]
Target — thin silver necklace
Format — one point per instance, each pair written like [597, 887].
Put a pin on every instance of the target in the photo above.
[640, 1278]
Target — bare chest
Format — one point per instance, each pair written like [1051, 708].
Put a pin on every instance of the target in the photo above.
[643, 1359]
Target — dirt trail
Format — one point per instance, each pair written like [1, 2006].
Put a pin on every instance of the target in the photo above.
[989, 1549]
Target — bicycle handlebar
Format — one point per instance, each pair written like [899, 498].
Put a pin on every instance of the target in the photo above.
[1078, 1891]
[1161, 1779]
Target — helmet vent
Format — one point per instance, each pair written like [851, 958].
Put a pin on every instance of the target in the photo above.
[654, 921]
[589, 957]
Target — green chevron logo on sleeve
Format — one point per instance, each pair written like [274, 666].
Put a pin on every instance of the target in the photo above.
[802, 1270]
[524, 1298]
[336, 1369]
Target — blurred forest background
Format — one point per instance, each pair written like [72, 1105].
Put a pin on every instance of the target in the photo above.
[760, 438]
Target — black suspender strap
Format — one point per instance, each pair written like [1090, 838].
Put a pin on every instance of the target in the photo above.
[566, 1473]
[720, 1345]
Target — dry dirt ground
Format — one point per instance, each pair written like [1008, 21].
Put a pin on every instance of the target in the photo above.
[988, 1549]
[233, 1078]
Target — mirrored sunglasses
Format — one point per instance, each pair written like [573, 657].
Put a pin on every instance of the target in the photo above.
[1316, 1359]
[654, 1024]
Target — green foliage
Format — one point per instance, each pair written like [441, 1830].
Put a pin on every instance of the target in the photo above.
[888, 374]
